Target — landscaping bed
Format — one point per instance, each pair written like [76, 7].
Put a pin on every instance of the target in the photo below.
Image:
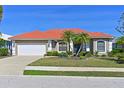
[72, 62]
[74, 73]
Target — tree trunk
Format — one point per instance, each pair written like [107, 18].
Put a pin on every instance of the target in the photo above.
[85, 47]
[79, 49]
[72, 50]
[69, 46]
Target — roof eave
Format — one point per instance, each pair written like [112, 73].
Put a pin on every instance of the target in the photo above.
[103, 37]
[33, 39]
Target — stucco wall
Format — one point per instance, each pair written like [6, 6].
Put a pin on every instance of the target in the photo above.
[108, 45]
[93, 45]
[17, 42]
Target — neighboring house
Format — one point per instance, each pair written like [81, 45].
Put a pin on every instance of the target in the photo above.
[115, 45]
[8, 43]
[39, 43]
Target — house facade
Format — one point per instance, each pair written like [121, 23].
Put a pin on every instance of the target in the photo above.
[39, 42]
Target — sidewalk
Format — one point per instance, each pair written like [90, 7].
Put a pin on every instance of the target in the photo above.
[51, 68]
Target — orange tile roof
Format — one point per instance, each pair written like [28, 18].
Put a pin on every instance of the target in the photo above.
[56, 34]
[99, 35]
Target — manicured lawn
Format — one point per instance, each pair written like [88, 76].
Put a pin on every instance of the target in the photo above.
[69, 62]
[73, 73]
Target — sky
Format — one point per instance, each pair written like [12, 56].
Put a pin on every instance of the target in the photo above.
[21, 19]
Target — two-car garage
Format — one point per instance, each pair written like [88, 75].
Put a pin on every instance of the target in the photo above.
[30, 48]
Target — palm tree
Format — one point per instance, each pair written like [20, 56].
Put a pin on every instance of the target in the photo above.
[67, 37]
[81, 39]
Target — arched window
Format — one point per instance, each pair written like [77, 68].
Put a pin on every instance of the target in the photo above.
[100, 46]
[62, 46]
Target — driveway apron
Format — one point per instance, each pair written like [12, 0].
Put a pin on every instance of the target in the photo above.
[15, 65]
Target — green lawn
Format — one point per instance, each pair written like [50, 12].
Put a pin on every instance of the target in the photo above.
[73, 73]
[68, 62]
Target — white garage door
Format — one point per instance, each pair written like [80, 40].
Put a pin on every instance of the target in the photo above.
[32, 49]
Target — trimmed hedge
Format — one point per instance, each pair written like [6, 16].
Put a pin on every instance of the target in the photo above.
[52, 53]
[88, 54]
[63, 54]
[115, 52]
[69, 52]
[3, 51]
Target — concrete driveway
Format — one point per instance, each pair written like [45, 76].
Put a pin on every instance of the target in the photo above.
[16, 64]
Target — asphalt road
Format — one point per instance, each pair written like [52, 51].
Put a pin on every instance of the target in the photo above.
[60, 82]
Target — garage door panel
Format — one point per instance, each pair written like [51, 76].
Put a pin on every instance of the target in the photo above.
[31, 49]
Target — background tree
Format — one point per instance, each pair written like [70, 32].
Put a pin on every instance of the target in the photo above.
[2, 43]
[120, 40]
[120, 27]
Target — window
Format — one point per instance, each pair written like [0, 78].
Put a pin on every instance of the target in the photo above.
[101, 46]
[54, 44]
[62, 46]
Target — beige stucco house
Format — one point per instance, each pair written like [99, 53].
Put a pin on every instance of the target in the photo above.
[39, 42]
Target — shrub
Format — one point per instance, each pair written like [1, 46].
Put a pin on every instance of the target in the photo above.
[55, 53]
[82, 53]
[52, 53]
[63, 54]
[96, 54]
[49, 53]
[88, 54]
[120, 57]
[114, 51]
[3, 51]
[103, 55]
[81, 57]
[110, 54]
[69, 52]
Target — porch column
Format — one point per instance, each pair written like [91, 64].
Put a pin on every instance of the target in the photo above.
[14, 48]
[110, 46]
[71, 46]
[49, 45]
[57, 46]
[94, 46]
[87, 47]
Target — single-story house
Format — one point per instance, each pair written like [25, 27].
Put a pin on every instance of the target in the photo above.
[40, 42]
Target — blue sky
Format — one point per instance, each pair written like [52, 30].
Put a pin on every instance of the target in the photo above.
[20, 19]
